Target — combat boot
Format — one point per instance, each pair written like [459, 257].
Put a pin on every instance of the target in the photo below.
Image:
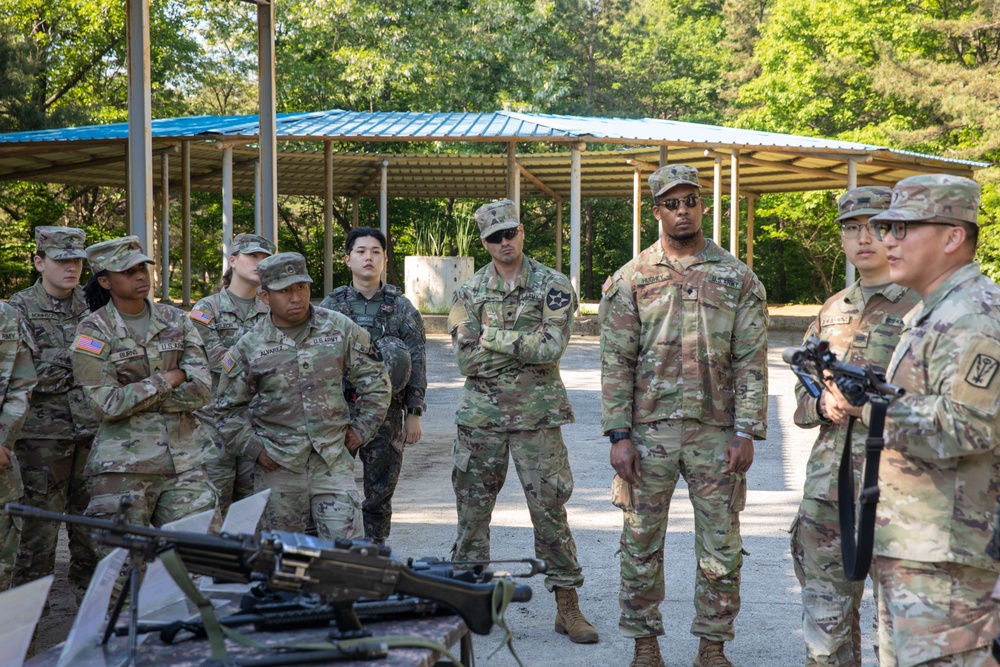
[570, 620]
[710, 655]
[647, 653]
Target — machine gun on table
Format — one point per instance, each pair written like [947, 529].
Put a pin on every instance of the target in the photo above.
[814, 364]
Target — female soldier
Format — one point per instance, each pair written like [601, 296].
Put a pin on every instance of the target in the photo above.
[143, 367]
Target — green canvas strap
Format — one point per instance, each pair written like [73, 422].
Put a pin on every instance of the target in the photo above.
[503, 593]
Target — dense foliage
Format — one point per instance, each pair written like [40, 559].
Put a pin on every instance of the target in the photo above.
[921, 75]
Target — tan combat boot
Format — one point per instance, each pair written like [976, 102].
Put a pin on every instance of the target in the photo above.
[647, 653]
[710, 655]
[570, 620]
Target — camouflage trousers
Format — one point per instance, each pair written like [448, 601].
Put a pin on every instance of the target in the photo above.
[935, 614]
[321, 501]
[831, 616]
[53, 480]
[11, 491]
[156, 499]
[542, 464]
[231, 473]
[671, 449]
[382, 458]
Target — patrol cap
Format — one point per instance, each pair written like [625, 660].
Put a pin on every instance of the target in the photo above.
[282, 270]
[496, 217]
[61, 242]
[116, 255]
[929, 196]
[671, 176]
[867, 200]
[248, 243]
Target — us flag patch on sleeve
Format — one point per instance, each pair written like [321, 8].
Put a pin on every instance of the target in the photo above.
[89, 345]
[200, 316]
[228, 362]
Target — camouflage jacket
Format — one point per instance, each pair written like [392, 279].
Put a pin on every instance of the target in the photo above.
[508, 339]
[684, 340]
[58, 409]
[394, 316]
[146, 425]
[940, 472]
[218, 320]
[858, 334]
[17, 378]
[287, 399]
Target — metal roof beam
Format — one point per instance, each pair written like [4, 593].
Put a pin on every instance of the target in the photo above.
[62, 168]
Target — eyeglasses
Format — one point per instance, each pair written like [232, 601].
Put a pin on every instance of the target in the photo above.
[496, 237]
[850, 230]
[672, 204]
[898, 227]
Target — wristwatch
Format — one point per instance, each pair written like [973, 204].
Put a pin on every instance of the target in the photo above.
[743, 434]
[618, 436]
[416, 412]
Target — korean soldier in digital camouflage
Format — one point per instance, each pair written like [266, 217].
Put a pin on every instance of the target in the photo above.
[221, 319]
[862, 324]
[281, 402]
[142, 367]
[510, 324]
[55, 441]
[684, 393]
[940, 471]
[397, 330]
[17, 378]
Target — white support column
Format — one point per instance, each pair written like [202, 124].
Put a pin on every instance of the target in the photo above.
[258, 227]
[140, 133]
[734, 204]
[186, 223]
[383, 200]
[511, 168]
[227, 206]
[717, 203]
[637, 212]
[751, 204]
[559, 235]
[575, 175]
[852, 182]
[517, 190]
[328, 217]
[268, 122]
[164, 228]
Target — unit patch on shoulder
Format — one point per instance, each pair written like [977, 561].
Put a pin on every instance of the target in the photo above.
[228, 362]
[201, 317]
[89, 345]
[976, 385]
[982, 371]
[557, 299]
[607, 285]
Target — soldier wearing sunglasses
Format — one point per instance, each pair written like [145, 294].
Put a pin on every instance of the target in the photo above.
[684, 393]
[862, 324]
[510, 324]
[935, 536]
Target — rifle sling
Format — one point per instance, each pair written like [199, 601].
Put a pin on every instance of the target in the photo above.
[857, 540]
[217, 632]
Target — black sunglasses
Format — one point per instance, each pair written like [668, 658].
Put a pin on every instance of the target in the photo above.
[672, 204]
[496, 237]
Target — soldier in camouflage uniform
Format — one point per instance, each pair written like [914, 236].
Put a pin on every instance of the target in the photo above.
[17, 378]
[55, 442]
[281, 402]
[862, 324]
[143, 368]
[383, 312]
[222, 319]
[510, 324]
[940, 472]
[684, 392]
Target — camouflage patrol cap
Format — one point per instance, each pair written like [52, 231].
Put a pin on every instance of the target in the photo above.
[61, 242]
[671, 176]
[116, 255]
[868, 200]
[282, 270]
[496, 217]
[931, 196]
[248, 243]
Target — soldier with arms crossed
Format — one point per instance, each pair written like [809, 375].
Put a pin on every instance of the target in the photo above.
[684, 392]
[55, 442]
[221, 319]
[510, 324]
[862, 324]
[397, 330]
[281, 402]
